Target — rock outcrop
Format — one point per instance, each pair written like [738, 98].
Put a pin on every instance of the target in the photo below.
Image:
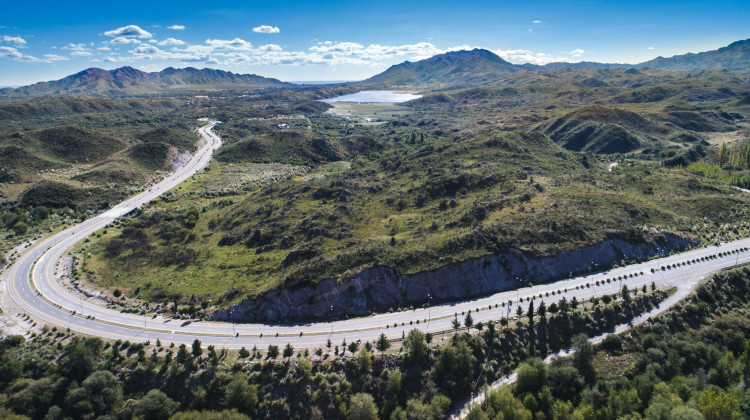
[379, 289]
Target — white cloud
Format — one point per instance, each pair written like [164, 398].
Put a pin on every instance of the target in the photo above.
[527, 57]
[177, 27]
[146, 49]
[121, 40]
[537, 21]
[265, 29]
[55, 57]
[104, 49]
[270, 47]
[14, 40]
[129, 31]
[241, 53]
[235, 44]
[650, 48]
[14, 54]
[110, 59]
[80, 54]
[171, 41]
[375, 52]
[75, 47]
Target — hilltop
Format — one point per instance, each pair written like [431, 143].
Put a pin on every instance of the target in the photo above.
[472, 67]
[128, 81]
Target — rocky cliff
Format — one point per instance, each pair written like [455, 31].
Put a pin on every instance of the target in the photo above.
[380, 288]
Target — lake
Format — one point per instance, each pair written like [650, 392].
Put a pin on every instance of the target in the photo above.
[375, 96]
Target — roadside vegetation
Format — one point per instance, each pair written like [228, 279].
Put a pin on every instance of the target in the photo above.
[689, 360]
[59, 374]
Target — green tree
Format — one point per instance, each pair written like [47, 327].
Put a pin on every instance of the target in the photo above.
[20, 228]
[456, 324]
[197, 350]
[626, 294]
[583, 356]
[288, 351]
[415, 347]
[80, 357]
[104, 390]
[468, 320]
[531, 376]
[394, 382]
[241, 396]
[273, 351]
[383, 344]
[542, 311]
[723, 153]
[506, 406]
[209, 415]
[455, 366]
[362, 407]
[154, 406]
[721, 406]
[182, 355]
[244, 353]
[364, 360]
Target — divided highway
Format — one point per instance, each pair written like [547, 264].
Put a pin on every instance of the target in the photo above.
[32, 285]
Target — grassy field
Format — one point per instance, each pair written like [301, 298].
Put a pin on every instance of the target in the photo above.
[368, 112]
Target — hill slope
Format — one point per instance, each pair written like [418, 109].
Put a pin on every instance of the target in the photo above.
[127, 81]
[734, 57]
[472, 67]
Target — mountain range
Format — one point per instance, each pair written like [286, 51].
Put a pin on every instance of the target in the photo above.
[128, 81]
[474, 67]
[477, 66]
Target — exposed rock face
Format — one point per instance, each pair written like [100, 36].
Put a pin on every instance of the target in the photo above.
[379, 288]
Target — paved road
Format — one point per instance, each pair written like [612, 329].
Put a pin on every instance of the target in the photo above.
[32, 285]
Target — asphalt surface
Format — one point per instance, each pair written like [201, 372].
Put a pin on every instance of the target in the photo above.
[32, 285]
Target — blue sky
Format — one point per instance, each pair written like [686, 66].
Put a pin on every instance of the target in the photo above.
[339, 40]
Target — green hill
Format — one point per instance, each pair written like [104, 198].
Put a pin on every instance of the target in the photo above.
[473, 67]
[75, 144]
[601, 129]
[152, 156]
[445, 201]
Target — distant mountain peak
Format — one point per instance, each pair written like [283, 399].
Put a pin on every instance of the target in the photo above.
[453, 67]
[129, 81]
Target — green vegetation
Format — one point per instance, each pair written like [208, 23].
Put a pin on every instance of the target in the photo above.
[59, 374]
[431, 204]
[77, 155]
[690, 363]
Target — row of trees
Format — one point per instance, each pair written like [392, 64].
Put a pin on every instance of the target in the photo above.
[57, 375]
[691, 363]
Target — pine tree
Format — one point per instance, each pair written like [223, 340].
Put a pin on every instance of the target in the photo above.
[383, 344]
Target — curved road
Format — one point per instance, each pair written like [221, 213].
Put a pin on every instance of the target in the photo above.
[32, 285]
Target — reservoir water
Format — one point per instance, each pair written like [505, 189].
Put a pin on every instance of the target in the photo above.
[375, 96]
